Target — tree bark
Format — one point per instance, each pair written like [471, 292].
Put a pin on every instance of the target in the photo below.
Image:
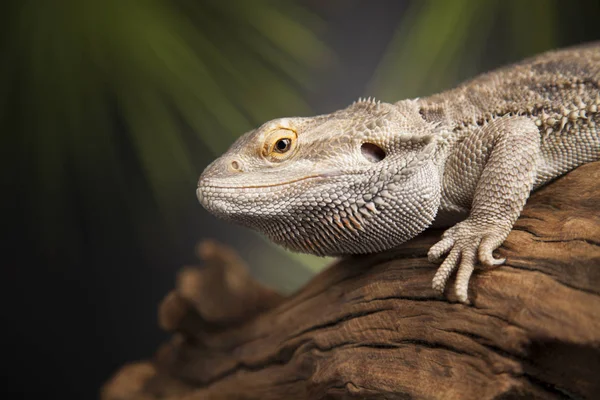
[371, 327]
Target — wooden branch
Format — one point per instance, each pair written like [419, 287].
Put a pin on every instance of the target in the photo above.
[372, 328]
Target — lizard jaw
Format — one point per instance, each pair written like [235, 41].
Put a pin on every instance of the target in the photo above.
[332, 216]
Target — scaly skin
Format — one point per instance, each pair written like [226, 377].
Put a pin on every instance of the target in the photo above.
[374, 175]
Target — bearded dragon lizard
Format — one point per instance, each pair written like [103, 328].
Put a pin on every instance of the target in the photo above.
[374, 175]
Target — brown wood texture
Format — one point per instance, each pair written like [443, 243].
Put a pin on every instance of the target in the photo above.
[371, 327]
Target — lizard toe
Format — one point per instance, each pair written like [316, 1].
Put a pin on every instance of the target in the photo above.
[445, 270]
[488, 245]
[465, 270]
[442, 247]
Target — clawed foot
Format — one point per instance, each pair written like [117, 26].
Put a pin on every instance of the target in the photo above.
[465, 243]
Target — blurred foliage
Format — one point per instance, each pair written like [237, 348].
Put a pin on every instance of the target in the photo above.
[216, 67]
[440, 43]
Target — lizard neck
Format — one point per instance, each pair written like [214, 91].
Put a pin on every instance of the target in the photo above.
[455, 199]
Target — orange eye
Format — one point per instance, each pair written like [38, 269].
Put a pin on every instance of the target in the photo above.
[280, 144]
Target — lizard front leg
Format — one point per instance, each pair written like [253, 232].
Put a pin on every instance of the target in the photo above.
[493, 169]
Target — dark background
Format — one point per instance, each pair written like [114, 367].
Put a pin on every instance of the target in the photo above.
[96, 222]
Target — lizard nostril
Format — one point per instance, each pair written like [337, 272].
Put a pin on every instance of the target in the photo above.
[372, 152]
[235, 166]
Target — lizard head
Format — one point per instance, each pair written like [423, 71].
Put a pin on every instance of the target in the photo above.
[359, 180]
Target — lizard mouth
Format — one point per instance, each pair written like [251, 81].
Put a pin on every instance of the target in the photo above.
[206, 185]
[206, 190]
[210, 193]
[203, 185]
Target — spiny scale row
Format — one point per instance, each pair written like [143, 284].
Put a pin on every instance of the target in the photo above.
[580, 110]
[368, 100]
[367, 104]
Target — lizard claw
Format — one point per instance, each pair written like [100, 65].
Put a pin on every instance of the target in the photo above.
[465, 243]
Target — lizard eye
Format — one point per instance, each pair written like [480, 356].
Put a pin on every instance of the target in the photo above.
[282, 145]
[279, 144]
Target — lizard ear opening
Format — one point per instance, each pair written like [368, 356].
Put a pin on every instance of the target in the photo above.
[372, 152]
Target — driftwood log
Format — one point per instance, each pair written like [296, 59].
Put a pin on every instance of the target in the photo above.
[371, 327]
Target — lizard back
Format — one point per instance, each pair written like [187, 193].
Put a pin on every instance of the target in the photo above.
[559, 90]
